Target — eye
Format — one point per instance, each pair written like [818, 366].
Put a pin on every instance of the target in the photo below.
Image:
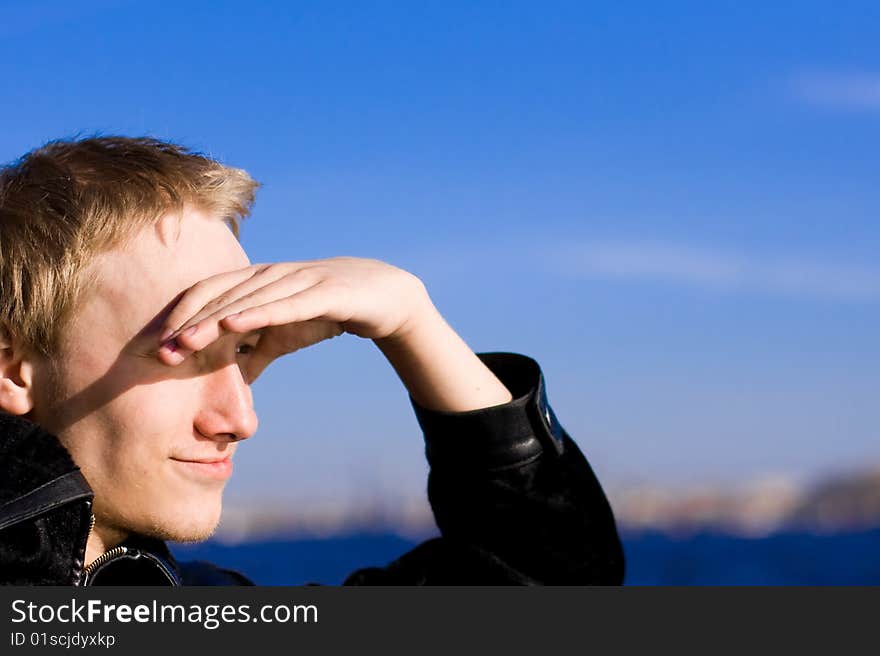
[245, 349]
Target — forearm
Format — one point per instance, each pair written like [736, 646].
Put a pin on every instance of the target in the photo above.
[439, 369]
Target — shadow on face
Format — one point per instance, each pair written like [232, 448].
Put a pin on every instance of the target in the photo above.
[136, 365]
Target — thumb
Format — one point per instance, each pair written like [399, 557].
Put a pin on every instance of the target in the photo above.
[280, 340]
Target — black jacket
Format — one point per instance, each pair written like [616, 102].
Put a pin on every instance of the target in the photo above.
[514, 498]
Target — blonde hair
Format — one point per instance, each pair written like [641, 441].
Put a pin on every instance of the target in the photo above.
[64, 203]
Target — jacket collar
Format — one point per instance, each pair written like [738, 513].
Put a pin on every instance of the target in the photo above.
[45, 515]
[138, 560]
[32, 459]
[45, 507]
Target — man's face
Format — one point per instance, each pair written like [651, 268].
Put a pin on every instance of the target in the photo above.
[135, 426]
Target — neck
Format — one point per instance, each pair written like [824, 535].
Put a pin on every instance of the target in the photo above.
[102, 539]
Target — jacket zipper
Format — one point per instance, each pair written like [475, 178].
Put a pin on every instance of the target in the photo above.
[103, 558]
[86, 545]
[80, 578]
[120, 550]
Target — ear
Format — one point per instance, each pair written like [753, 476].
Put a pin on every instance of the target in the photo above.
[16, 376]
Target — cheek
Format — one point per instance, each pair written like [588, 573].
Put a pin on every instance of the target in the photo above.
[156, 409]
[132, 437]
[166, 407]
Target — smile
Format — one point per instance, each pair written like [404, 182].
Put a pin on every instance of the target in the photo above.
[215, 469]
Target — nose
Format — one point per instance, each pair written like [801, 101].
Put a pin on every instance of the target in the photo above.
[227, 409]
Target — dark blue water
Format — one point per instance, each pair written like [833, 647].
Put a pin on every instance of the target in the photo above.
[781, 559]
[652, 558]
[296, 562]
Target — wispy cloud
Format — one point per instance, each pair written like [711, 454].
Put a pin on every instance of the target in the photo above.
[840, 90]
[707, 268]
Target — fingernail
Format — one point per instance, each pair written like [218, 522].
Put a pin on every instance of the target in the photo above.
[232, 316]
[190, 331]
[173, 351]
[168, 332]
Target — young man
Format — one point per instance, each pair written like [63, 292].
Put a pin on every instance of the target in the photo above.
[133, 325]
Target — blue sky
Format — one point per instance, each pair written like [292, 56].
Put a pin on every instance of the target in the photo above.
[671, 206]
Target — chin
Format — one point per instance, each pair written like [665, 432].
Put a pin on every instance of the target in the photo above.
[190, 533]
[194, 522]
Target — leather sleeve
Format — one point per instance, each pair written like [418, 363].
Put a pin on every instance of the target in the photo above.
[514, 498]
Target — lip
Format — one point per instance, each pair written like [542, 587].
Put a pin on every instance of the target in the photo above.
[214, 468]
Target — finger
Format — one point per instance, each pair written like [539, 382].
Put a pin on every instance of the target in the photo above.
[200, 331]
[306, 333]
[196, 297]
[312, 303]
[316, 302]
[172, 353]
[218, 307]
